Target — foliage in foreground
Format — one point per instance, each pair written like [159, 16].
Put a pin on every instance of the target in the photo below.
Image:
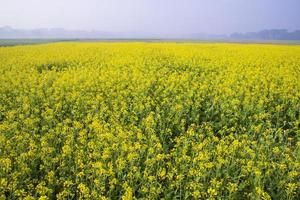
[149, 121]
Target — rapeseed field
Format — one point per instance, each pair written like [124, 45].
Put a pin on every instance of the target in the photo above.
[150, 121]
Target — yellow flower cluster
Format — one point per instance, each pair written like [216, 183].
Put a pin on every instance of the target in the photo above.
[150, 121]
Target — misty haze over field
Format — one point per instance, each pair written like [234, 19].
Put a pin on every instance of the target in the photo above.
[189, 19]
[60, 33]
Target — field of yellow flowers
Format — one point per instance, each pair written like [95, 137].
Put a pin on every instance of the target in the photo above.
[150, 121]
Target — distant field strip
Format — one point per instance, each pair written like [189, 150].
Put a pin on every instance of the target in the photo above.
[14, 42]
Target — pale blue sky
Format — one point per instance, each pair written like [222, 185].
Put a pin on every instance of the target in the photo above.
[164, 17]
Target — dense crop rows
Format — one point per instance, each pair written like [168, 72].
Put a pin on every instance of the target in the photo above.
[149, 121]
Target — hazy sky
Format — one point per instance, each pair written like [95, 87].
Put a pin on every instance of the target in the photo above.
[165, 17]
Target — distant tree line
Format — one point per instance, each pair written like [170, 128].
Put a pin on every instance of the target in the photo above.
[273, 34]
